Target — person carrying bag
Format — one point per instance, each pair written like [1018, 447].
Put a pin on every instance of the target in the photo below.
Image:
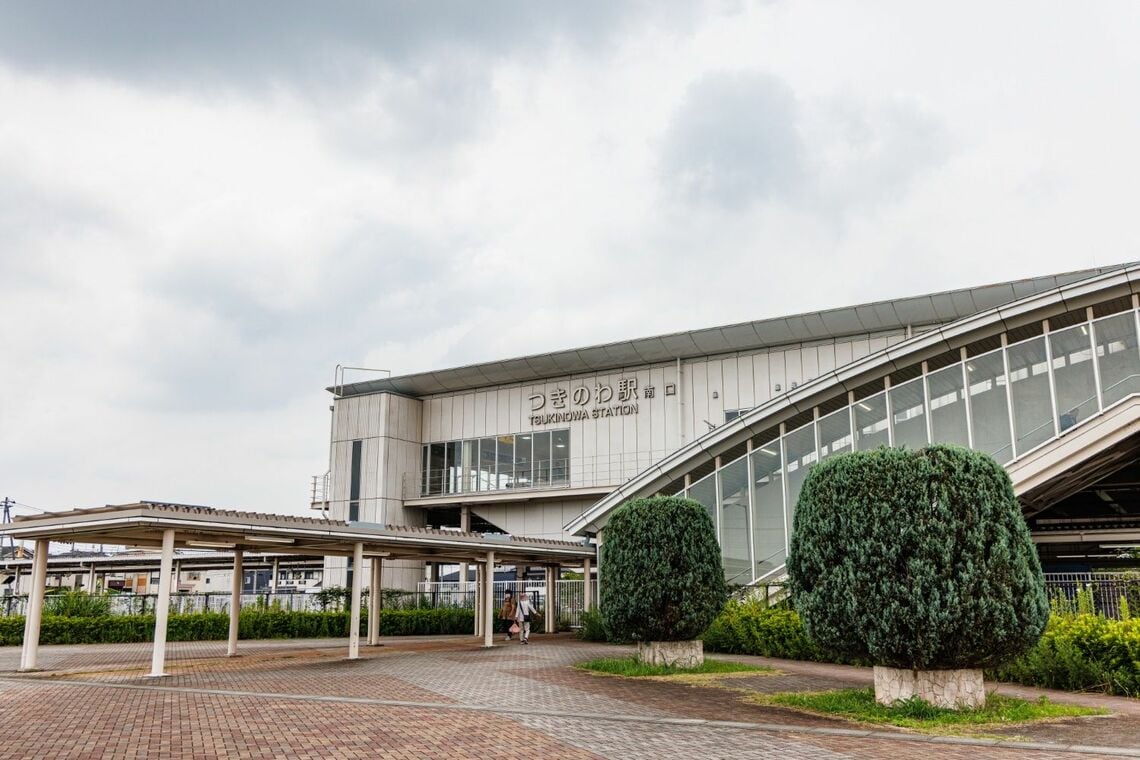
[523, 614]
[507, 612]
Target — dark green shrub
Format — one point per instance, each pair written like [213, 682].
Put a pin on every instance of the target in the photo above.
[916, 560]
[661, 571]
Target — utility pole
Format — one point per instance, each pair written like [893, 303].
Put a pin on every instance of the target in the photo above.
[7, 545]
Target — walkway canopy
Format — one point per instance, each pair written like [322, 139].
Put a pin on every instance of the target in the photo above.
[166, 526]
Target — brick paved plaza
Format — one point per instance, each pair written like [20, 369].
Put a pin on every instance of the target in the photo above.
[447, 697]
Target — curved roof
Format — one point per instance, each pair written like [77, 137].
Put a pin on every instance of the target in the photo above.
[930, 309]
[1067, 297]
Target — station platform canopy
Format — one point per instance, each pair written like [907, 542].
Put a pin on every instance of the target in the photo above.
[196, 527]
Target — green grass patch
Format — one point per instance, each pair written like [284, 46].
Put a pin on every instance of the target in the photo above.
[860, 705]
[633, 668]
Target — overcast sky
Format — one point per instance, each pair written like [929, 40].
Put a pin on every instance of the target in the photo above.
[204, 207]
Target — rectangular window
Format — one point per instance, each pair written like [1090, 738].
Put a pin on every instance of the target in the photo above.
[541, 459]
[560, 457]
[767, 509]
[506, 461]
[436, 461]
[453, 468]
[354, 483]
[487, 460]
[523, 461]
[989, 408]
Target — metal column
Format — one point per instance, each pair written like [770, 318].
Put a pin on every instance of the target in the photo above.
[354, 616]
[587, 601]
[162, 606]
[488, 589]
[235, 603]
[30, 651]
[374, 594]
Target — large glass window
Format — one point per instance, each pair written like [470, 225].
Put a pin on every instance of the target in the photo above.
[871, 422]
[989, 408]
[523, 460]
[1073, 376]
[1029, 391]
[488, 459]
[908, 414]
[799, 448]
[454, 471]
[835, 433]
[506, 461]
[560, 457]
[948, 406]
[734, 534]
[1117, 357]
[470, 466]
[436, 460]
[704, 491]
[768, 539]
[541, 464]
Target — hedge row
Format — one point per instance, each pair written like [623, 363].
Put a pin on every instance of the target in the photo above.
[253, 624]
[1082, 652]
[753, 628]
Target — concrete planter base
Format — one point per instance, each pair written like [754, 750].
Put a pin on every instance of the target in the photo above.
[953, 689]
[677, 654]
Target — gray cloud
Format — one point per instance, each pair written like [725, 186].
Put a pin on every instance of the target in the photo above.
[741, 138]
[287, 41]
[870, 153]
[733, 141]
[239, 348]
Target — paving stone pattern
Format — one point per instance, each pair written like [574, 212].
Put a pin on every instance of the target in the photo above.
[447, 697]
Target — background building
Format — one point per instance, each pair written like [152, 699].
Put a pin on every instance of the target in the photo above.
[545, 445]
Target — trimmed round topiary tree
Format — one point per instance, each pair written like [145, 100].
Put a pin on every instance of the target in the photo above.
[921, 562]
[662, 579]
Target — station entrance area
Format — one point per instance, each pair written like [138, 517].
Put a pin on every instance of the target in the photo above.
[170, 526]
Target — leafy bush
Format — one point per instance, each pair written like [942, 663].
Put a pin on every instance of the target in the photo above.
[593, 629]
[253, 624]
[1081, 652]
[751, 627]
[662, 570]
[77, 604]
[916, 560]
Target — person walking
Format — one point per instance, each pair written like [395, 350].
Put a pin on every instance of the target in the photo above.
[523, 614]
[507, 611]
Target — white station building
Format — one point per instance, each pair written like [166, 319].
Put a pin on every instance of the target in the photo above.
[1042, 373]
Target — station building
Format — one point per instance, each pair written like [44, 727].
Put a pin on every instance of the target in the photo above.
[1042, 373]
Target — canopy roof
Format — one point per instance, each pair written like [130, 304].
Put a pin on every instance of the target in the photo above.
[196, 527]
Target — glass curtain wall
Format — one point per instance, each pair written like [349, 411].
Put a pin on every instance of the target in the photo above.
[769, 539]
[1005, 402]
[522, 460]
[948, 420]
[734, 530]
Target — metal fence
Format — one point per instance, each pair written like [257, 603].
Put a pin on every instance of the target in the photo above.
[569, 596]
[184, 603]
[1107, 594]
